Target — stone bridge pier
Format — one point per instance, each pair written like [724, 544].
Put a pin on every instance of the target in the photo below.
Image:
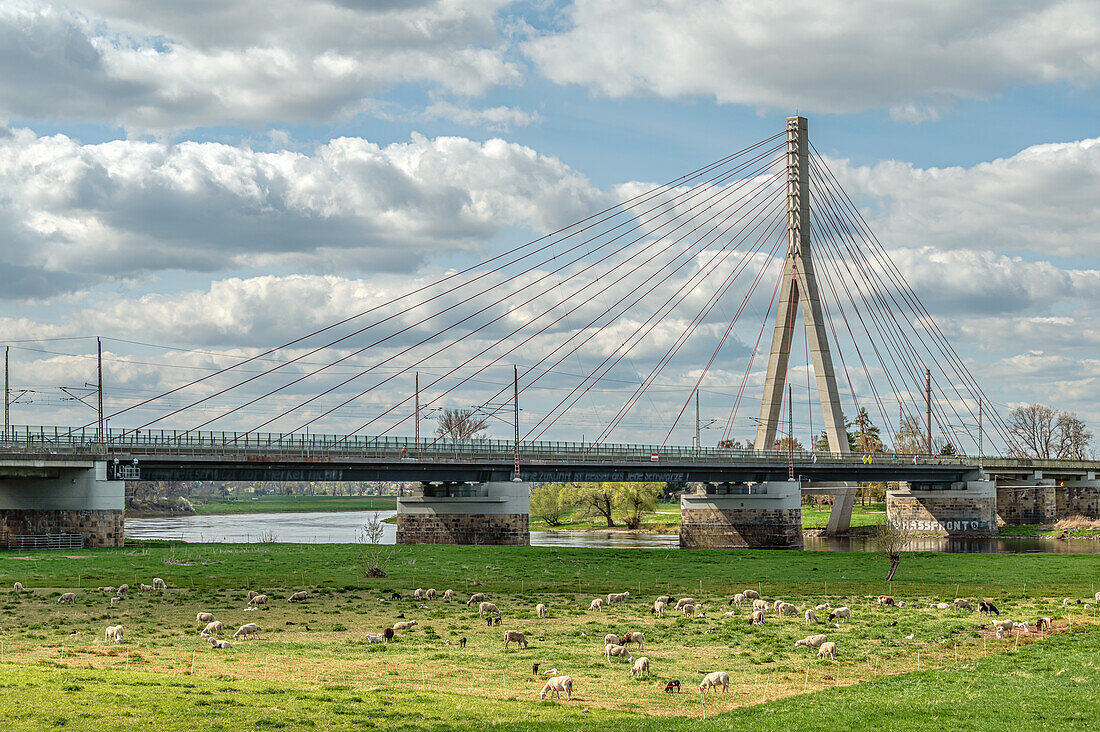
[965, 508]
[739, 515]
[62, 497]
[465, 513]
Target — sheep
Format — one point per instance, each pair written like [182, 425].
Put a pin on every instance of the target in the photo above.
[113, 633]
[19, 587]
[215, 643]
[257, 601]
[611, 639]
[68, 597]
[1044, 624]
[737, 599]
[123, 589]
[885, 600]
[666, 599]
[1097, 597]
[247, 630]
[659, 609]
[963, 604]
[298, 596]
[786, 608]
[827, 650]
[751, 594]
[404, 625]
[939, 606]
[689, 611]
[987, 607]
[824, 606]
[159, 584]
[556, 685]
[213, 628]
[375, 638]
[115, 600]
[617, 597]
[757, 617]
[475, 599]
[811, 616]
[105, 589]
[387, 633]
[596, 604]
[1022, 626]
[684, 601]
[430, 594]
[514, 636]
[144, 587]
[252, 593]
[487, 607]
[448, 595]
[813, 641]
[1066, 601]
[641, 667]
[999, 633]
[201, 618]
[418, 594]
[841, 613]
[634, 637]
[1003, 624]
[614, 649]
[760, 605]
[542, 611]
[714, 680]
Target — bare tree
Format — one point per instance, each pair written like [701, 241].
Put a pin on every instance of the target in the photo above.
[890, 540]
[375, 554]
[909, 439]
[1073, 437]
[1033, 426]
[461, 424]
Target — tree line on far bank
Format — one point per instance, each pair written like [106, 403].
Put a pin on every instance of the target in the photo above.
[608, 502]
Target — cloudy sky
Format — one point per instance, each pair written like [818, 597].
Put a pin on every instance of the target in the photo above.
[198, 185]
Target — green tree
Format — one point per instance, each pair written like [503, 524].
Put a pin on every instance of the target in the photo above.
[595, 499]
[636, 500]
[865, 436]
[550, 502]
[671, 487]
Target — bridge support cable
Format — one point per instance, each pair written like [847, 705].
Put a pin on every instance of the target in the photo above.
[540, 244]
[661, 211]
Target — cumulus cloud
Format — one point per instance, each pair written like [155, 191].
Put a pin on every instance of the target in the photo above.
[149, 66]
[493, 118]
[78, 214]
[822, 55]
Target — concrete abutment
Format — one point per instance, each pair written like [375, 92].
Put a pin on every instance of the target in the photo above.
[72, 499]
[956, 509]
[482, 513]
[759, 516]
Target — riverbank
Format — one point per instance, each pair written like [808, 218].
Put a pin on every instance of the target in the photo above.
[297, 504]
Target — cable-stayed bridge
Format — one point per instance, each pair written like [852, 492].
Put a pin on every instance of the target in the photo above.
[675, 283]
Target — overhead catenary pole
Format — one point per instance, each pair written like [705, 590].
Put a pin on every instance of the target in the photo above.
[790, 434]
[515, 416]
[99, 388]
[416, 411]
[698, 440]
[928, 409]
[7, 394]
[981, 467]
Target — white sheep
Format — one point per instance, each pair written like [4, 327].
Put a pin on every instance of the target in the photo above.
[487, 607]
[556, 685]
[159, 584]
[1000, 633]
[1045, 624]
[684, 601]
[730, 614]
[213, 628]
[113, 633]
[298, 596]
[376, 638]
[514, 636]
[714, 680]
[738, 599]
[689, 611]
[68, 597]
[963, 604]
[751, 594]
[1097, 597]
[542, 611]
[418, 594]
[115, 600]
[611, 639]
[404, 625]
[596, 604]
[641, 667]
[215, 643]
[246, 630]
[448, 594]
[475, 599]
[1003, 624]
[757, 617]
[813, 641]
[841, 613]
[430, 594]
[613, 649]
[617, 597]
[824, 606]
[19, 587]
[1066, 601]
[811, 616]
[252, 593]
[760, 605]
[257, 601]
[202, 618]
[123, 589]
[786, 608]
[144, 587]
[666, 599]
[634, 637]
[1022, 626]
[659, 609]
[105, 589]
[939, 606]
[827, 650]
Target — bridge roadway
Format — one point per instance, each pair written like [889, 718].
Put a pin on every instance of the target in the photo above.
[169, 455]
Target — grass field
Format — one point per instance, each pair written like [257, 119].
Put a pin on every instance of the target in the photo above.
[666, 519]
[290, 504]
[312, 663]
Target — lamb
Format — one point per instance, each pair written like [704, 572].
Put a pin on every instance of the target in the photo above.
[418, 594]
[404, 625]
[387, 633]
[475, 599]
[757, 617]
[737, 599]
[448, 595]
[430, 594]
[115, 600]
[659, 609]
[215, 643]
[885, 600]
[684, 601]
[939, 605]
[760, 605]
[751, 594]
[298, 596]
[827, 650]
[634, 637]
[813, 641]
[617, 597]
[487, 607]
[68, 597]
[105, 589]
[212, 628]
[158, 584]
[1000, 633]
[596, 604]
[201, 618]
[1066, 601]
[824, 606]
[987, 607]
[113, 633]
[556, 685]
[123, 589]
[19, 587]
[689, 611]
[1003, 624]
[613, 649]
[963, 604]
[246, 630]
[611, 639]
[1044, 624]
[811, 616]
[375, 638]
[144, 587]
[542, 611]
[714, 680]
[514, 636]
[1022, 626]
[641, 667]
[840, 613]
[257, 601]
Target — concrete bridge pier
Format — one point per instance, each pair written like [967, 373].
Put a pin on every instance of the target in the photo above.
[465, 513]
[964, 508]
[742, 515]
[844, 499]
[62, 497]
[1079, 497]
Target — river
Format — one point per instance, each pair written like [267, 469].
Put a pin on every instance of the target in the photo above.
[345, 527]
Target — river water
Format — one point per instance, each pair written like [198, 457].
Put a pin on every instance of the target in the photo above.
[345, 527]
